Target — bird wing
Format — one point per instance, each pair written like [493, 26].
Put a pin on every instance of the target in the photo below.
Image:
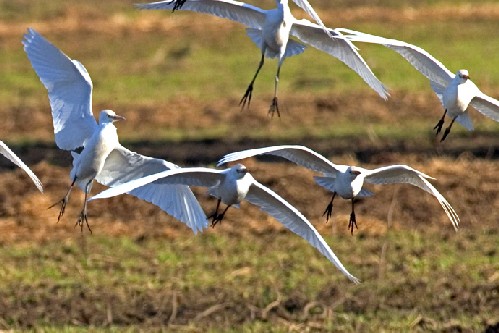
[5, 151]
[305, 5]
[405, 174]
[123, 166]
[241, 12]
[271, 203]
[69, 88]
[421, 60]
[340, 48]
[486, 105]
[300, 155]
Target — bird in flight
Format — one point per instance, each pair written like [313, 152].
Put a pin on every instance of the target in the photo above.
[455, 91]
[231, 186]
[97, 153]
[348, 181]
[271, 29]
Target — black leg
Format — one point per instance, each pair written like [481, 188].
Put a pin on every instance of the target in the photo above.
[64, 201]
[353, 220]
[83, 214]
[247, 95]
[219, 217]
[447, 130]
[440, 123]
[214, 215]
[274, 107]
[329, 209]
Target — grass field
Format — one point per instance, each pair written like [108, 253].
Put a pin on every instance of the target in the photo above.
[178, 79]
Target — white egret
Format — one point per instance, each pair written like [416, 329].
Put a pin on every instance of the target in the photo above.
[96, 151]
[270, 31]
[348, 181]
[455, 91]
[5, 151]
[231, 186]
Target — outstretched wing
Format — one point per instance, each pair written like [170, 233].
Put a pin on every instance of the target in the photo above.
[300, 155]
[5, 151]
[305, 5]
[271, 203]
[123, 166]
[487, 106]
[69, 88]
[340, 48]
[405, 174]
[421, 60]
[241, 12]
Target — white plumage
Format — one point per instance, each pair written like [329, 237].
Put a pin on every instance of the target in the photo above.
[231, 186]
[102, 158]
[5, 151]
[270, 31]
[455, 91]
[348, 181]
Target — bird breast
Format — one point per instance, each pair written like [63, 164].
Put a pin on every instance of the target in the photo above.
[96, 150]
[276, 31]
[346, 187]
[232, 191]
[456, 99]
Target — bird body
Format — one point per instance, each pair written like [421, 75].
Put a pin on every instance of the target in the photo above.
[276, 29]
[90, 162]
[231, 186]
[348, 181]
[97, 153]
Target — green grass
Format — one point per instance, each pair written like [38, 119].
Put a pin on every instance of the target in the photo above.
[259, 270]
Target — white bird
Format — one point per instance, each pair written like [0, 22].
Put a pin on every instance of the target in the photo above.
[348, 181]
[270, 31]
[231, 186]
[5, 151]
[102, 157]
[455, 91]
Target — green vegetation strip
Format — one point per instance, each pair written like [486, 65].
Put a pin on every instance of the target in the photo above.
[259, 283]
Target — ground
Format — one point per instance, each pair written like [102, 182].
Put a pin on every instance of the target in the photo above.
[141, 270]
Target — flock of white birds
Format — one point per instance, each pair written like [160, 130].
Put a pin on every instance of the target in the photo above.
[98, 155]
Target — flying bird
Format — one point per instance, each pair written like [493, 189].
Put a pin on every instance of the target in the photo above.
[5, 151]
[348, 181]
[97, 153]
[231, 186]
[270, 31]
[455, 91]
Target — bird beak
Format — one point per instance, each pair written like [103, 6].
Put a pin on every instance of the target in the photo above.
[355, 172]
[117, 118]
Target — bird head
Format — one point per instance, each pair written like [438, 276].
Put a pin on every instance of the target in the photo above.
[463, 76]
[109, 116]
[239, 170]
[353, 172]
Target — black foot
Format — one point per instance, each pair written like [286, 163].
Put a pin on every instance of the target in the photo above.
[63, 202]
[274, 107]
[446, 132]
[352, 222]
[83, 219]
[178, 4]
[215, 219]
[247, 97]
[329, 211]
[439, 125]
